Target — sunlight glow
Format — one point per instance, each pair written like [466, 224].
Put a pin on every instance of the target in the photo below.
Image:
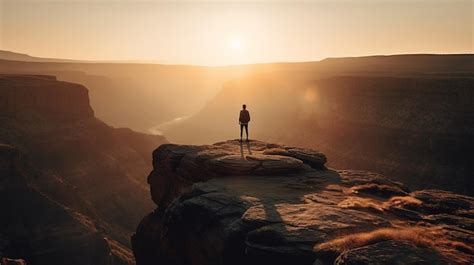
[311, 96]
[236, 44]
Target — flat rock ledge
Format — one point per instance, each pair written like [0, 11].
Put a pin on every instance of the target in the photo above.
[260, 203]
[189, 164]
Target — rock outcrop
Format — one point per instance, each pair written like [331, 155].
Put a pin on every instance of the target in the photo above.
[261, 203]
[45, 95]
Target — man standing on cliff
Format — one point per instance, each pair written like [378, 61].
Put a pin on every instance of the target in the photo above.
[244, 119]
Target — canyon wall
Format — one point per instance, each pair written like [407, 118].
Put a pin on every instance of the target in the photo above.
[40, 230]
[45, 95]
[78, 173]
[141, 96]
[419, 130]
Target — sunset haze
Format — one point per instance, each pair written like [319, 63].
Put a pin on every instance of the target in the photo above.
[226, 33]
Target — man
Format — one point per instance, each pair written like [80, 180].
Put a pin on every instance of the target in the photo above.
[244, 119]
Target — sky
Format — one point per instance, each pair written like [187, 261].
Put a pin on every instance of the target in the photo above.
[233, 32]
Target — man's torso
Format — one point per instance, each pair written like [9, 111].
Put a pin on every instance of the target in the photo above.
[244, 117]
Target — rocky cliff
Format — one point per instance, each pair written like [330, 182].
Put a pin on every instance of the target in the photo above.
[43, 94]
[40, 230]
[82, 189]
[261, 203]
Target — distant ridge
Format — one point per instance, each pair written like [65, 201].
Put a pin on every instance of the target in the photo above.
[23, 57]
[465, 58]
[14, 56]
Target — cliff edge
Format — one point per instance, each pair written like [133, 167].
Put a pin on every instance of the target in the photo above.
[43, 94]
[262, 203]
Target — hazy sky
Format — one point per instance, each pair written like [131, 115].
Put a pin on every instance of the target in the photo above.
[218, 33]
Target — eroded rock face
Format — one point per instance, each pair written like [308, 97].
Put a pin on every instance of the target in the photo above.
[260, 203]
[36, 229]
[44, 94]
[75, 170]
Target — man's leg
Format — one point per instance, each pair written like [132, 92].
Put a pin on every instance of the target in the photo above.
[247, 131]
[241, 128]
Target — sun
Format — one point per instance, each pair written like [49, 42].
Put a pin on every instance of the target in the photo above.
[236, 49]
[236, 44]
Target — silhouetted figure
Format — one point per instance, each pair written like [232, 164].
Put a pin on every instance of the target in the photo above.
[244, 119]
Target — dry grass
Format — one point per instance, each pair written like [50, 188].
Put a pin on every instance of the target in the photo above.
[361, 203]
[432, 237]
[401, 201]
[380, 190]
[6, 261]
[124, 254]
[371, 204]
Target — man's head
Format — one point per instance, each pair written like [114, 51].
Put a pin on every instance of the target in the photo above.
[244, 106]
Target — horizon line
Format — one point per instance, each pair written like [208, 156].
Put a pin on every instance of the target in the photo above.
[157, 62]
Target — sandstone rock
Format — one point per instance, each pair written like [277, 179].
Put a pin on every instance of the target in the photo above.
[391, 252]
[189, 164]
[170, 155]
[311, 157]
[288, 233]
[232, 165]
[450, 219]
[359, 177]
[275, 164]
[270, 204]
[438, 201]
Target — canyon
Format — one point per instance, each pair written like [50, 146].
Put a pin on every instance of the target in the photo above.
[143, 95]
[71, 185]
[392, 169]
[415, 126]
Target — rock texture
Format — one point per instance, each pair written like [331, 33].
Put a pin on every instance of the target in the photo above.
[81, 194]
[261, 203]
[37, 229]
